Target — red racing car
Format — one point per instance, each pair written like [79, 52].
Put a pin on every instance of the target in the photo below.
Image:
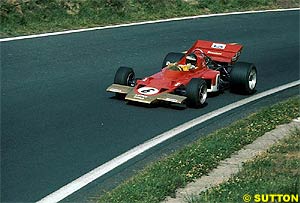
[186, 78]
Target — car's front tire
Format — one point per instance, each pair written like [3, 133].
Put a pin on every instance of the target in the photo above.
[124, 76]
[243, 78]
[196, 93]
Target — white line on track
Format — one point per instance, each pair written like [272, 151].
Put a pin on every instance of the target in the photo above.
[110, 165]
[140, 23]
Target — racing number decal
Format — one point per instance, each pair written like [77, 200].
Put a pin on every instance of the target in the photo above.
[148, 90]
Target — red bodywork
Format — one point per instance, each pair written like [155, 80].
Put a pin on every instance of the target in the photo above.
[169, 80]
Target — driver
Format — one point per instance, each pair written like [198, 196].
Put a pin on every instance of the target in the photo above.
[191, 59]
[191, 62]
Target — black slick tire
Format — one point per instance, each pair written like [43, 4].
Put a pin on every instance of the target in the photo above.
[243, 78]
[124, 76]
[196, 93]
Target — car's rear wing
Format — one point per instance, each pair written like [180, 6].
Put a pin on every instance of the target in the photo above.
[220, 52]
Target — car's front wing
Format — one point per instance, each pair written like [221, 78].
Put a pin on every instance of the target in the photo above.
[132, 96]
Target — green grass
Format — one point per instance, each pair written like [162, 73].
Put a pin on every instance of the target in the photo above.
[162, 178]
[22, 17]
[275, 172]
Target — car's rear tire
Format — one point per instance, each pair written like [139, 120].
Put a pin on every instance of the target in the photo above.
[124, 76]
[196, 93]
[172, 57]
[243, 78]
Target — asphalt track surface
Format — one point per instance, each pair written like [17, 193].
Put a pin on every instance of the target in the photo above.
[57, 121]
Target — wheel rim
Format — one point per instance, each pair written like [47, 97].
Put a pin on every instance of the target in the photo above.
[202, 94]
[130, 79]
[252, 79]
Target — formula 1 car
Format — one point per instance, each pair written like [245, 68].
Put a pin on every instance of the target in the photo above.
[186, 78]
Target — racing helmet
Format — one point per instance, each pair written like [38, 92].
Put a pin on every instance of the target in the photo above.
[192, 59]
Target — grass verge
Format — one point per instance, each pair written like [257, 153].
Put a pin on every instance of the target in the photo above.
[275, 172]
[23, 17]
[162, 178]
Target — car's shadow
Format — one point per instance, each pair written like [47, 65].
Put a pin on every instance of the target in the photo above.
[159, 104]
